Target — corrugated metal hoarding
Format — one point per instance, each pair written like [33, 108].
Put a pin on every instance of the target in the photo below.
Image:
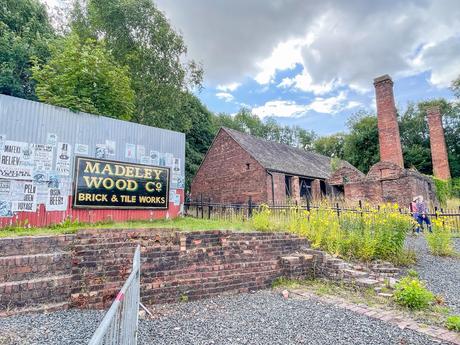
[39, 144]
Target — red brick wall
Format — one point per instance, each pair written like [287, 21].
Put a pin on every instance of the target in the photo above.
[224, 175]
[88, 269]
[438, 144]
[389, 139]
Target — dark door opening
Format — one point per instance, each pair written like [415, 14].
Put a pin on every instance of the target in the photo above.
[305, 189]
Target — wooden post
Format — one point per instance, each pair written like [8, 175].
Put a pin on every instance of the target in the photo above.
[209, 208]
[338, 210]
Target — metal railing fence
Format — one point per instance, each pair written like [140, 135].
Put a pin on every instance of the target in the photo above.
[206, 209]
[120, 324]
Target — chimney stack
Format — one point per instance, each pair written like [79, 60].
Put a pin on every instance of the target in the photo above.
[438, 144]
[389, 140]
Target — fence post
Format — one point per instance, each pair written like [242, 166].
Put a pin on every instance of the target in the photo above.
[197, 208]
[361, 206]
[250, 207]
[201, 202]
[209, 208]
[338, 210]
[436, 212]
[308, 204]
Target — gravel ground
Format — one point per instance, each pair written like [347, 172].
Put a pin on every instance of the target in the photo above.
[260, 318]
[442, 274]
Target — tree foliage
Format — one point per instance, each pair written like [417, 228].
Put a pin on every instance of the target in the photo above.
[83, 76]
[25, 32]
[361, 146]
[140, 37]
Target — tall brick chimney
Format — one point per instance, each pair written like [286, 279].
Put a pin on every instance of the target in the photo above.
[438, 144]
[389, 140]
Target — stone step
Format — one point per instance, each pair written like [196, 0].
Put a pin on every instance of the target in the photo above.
[366, 282]
[353, 273]
[35, 309]
[25, 293]
[34, 266]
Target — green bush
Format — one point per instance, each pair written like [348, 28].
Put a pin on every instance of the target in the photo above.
[453, 323]
[443, 190]
[411, 293]
[440, 241]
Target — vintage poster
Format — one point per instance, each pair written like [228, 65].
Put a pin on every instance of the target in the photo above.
[81, 150]
[27, 155]
[2, 142]
[24, 197]
[161, 159]
[169, 159]
[101, 151]
[176, 199]
[43, 157]
[177, 181]
[140, 149]
[63, 161]
[154, 157]
[57, 200]
[51, 139]
[42, 193]
[111, 147]
[130, 151]
[5, 208]
[5, 189]
[176, 166]
[40, 177]
[11, 165]
[145, 160]
[53, 180]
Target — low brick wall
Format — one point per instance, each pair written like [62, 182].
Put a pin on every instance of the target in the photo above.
[87, 269]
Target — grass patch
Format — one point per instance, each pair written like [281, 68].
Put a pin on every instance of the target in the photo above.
[453, 323]
[180, 223]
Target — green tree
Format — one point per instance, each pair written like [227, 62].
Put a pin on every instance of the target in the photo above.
[331, 145]
[140, 37]
[25, 31]
[361, 147]
[415, 140]
[83, 76]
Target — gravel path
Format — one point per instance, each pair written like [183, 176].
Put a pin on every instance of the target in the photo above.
[441, 273]
[260, 318]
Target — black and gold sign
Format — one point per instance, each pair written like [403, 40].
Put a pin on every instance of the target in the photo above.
[101, 183]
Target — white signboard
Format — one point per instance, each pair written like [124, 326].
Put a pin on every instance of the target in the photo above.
[63, 162]
[43, 157]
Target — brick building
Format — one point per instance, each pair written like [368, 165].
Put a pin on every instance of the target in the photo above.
[238, 166]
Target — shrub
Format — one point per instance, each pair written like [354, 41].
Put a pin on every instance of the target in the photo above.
[367, 236]
[443, 190]
[453, 323]
[440, 240]
[411, 293]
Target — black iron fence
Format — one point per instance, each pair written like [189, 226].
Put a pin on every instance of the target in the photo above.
[206, 209]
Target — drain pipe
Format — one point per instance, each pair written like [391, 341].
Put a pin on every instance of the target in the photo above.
[273, 187]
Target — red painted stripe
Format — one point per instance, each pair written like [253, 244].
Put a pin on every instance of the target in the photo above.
[120, 296]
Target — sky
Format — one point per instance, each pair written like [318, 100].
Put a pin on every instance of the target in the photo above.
[312, 63]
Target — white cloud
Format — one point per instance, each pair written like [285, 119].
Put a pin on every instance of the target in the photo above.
[228, 87]
[227, 97]
[286, 55]
[279, 108]
[303, 82]
[285, 108]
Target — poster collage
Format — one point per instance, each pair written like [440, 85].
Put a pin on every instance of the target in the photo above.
[33, 174]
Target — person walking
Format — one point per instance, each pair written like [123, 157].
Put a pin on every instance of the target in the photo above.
[422, 215]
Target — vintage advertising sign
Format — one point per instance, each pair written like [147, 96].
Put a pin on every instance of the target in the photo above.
[101, 183]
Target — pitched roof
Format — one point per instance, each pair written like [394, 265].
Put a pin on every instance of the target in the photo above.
[284, 158]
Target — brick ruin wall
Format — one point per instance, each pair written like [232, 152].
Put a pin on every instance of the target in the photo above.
[86, 270]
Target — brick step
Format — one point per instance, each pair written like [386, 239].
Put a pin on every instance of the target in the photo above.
[27, 267]
[53, 289]
[35, 309]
